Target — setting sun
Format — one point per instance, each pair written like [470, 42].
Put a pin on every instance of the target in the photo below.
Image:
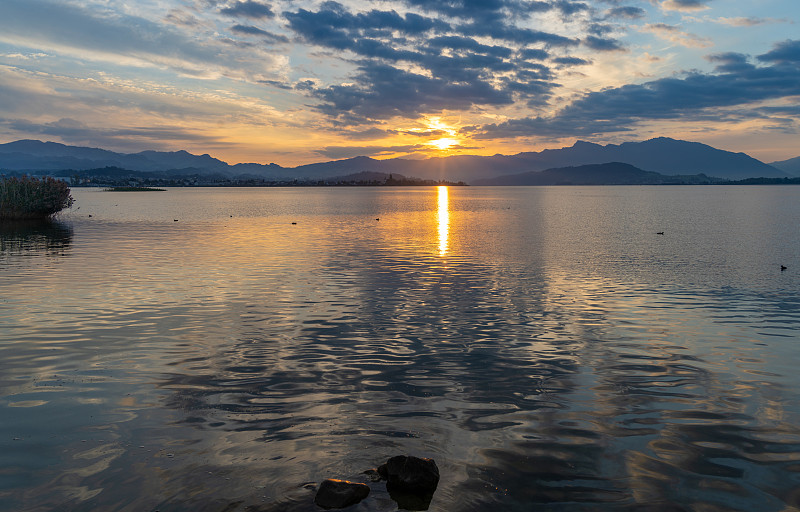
[446, 131]
[443, 144]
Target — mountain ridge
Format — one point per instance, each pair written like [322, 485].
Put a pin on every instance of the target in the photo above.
[609, 173]
[790, 166]
[662, 155]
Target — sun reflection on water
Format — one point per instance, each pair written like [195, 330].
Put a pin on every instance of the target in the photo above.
[443, 216]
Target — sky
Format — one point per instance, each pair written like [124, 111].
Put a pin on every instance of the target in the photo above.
[296, 82]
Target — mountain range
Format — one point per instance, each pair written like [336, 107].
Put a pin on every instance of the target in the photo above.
[611, 173]
[661, 155]
[791, 166]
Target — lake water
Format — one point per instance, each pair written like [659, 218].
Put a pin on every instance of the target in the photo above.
[196, 350]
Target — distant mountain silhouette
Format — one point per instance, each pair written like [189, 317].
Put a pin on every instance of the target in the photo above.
[661, 155]
[790, 166]
[611, 173]
[40, 156]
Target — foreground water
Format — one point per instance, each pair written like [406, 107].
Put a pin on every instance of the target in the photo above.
[196, 349]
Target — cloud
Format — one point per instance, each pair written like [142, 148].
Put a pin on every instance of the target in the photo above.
[685, 5]
[408, 65]
[383, 91]
[498, 10]
[569, 8]
[736, 83]
[255, 31]
[334, 26]
[676, 35]
[501, 30]
[123, 39]
[533, 54]
[340, 152]
[461, 43]
[248, 9]
[786, 52]
[571, 61]
[603, 44]
[748, 22]
[730, 62]
[628, 12]
[182, 18]
[480, 9]
[72, 131]
[106, 103]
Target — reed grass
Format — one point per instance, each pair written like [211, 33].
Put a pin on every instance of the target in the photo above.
[32, 198]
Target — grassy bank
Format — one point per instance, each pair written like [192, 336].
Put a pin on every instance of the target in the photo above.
[32, 198]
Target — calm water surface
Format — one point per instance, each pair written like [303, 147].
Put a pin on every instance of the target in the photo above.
[544, 345]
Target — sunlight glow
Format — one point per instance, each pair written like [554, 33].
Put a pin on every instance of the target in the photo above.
[443, 144]
[448, 134]
[443, 218]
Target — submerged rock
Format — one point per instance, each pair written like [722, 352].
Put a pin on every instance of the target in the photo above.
[373, 475]
[410, 474]
[410, 501]
[334, 493]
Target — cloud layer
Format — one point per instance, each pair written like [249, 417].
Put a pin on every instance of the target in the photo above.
[321, 74]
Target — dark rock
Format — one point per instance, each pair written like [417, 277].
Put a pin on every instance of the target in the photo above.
[411, 475]
[410, 501]
[334, 493]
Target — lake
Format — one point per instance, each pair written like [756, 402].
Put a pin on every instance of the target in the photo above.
[228, 349]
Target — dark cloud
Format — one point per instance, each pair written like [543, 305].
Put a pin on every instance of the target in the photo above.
[569, 8]
[736, 83]
[334, 26]
[469, 44]
[248, 9]
[730, 62]
[475, 9]
[685, 5]
[522, 36]
[383, 91]
[602, 44]
[787, 52]
[533, 54]
[690, 4]
[460, 71]
[571, 61]
[255, 31]
[497, 10]
[628, 12]
[785, 110]
[600, 29]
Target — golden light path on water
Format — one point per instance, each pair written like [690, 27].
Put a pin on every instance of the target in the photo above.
[444, 220]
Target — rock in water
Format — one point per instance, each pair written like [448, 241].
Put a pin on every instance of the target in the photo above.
[411, 481]
[410, 474]
[334, 493]
[373, 475]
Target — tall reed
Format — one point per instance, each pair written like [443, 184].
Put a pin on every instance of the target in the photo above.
[32, 198]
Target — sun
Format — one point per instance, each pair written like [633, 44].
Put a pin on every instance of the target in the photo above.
[448, 140]
[443, 144]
